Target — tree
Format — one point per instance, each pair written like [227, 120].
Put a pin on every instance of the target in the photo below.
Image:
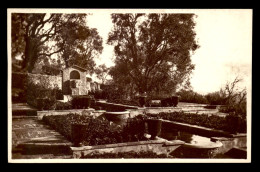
[39, 35]
[153, 50]
[102, 72]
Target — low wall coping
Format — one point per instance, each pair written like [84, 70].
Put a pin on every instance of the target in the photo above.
[69, 110]
[40, 114]
[162, 108]
[165, 142]
[199, 127]
[121, 105]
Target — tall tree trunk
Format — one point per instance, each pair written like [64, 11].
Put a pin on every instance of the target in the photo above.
[30, 55]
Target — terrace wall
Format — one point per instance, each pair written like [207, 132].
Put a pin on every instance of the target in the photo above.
[19, 80]
[161, 146]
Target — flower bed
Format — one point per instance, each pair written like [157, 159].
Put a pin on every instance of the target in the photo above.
[132, 154]
[97, 131]
[230, 123]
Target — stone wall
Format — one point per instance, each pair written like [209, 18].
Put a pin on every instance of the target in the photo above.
[40, 114]
[19, 80]
[156, 146]
[46, 80]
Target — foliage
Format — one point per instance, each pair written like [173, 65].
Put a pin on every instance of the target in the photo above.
[19, 80]
[216, 98]
[210, 121]
[131, 154]
[98, 94]
[102, 72]
[38, 36]
[191, 97]
[97, 131]
[39, 91]
[81, 102]
[235, 99]
[18, 95]
[63, 105]
[152, 51]
[109, 92]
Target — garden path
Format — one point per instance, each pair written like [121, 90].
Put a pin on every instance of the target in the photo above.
[31, 138]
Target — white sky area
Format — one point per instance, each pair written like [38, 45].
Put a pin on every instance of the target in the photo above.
[225, 39]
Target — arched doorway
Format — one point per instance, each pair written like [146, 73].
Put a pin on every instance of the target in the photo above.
[74, 74]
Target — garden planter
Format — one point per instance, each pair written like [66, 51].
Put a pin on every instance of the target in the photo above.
[117, 117]
[77, 133]
[86, 102]
[154, 127]
[142, 101]
[175, 100]
[81, 102]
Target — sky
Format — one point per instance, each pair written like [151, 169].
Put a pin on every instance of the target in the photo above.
[225, 39]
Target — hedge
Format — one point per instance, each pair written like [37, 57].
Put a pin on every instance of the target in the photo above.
[97, 131]
[230, 123]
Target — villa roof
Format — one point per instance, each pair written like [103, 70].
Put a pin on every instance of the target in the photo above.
[78, 67]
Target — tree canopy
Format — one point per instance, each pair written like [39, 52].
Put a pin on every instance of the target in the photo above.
[153, 51]
[102, 72]
[39, 36]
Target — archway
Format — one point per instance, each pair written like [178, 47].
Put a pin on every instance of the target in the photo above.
[74, 74]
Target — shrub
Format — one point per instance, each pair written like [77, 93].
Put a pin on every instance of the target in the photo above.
[97, 131]
[19, 80]
[216, 98]
[18, 95]
[37, 91]
[212, 121]
[99, 94]
[191, 97]
[59, 94]
[63, 105]
[81, 102]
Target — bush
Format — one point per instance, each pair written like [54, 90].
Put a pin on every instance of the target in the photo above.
[97, 131]
[38, 93]
[235, 109]
[99, 94]
[216, 99]
[18, 95]
[63, 105]
[19, 80]
[59, 94]
[192, 97]
[46, 103]
[81, 102]
[212, 121]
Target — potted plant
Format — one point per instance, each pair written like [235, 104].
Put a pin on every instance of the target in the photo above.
[175, 100]
[154, 127]
[87, 101]
[142, 99]
[77, 132]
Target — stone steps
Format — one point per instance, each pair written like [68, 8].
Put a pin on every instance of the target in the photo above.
[33, 139]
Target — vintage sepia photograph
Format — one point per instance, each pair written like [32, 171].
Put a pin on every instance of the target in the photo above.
[129, 85]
